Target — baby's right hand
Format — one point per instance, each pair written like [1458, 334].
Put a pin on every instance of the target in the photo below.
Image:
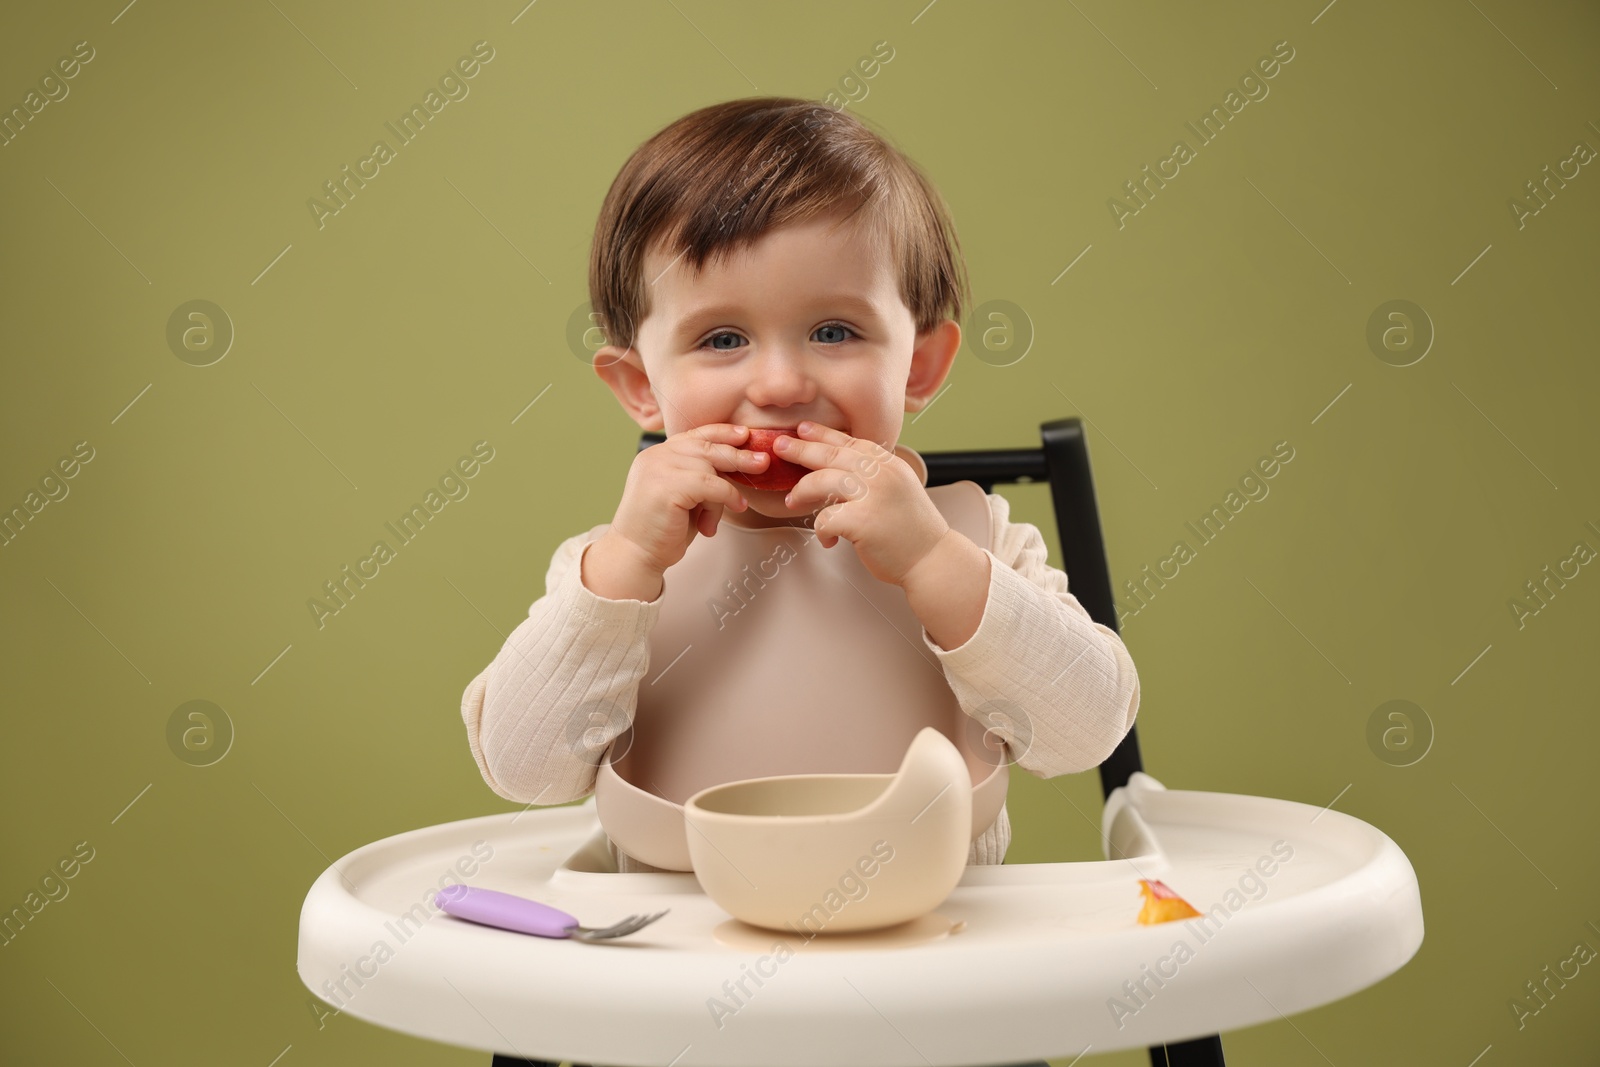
[674, 490]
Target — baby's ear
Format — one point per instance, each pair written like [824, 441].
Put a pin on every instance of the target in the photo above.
[932, 355]
[623, 370]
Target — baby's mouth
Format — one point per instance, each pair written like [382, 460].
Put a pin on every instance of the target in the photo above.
[780, 475]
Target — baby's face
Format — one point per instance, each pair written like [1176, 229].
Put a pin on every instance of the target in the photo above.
[806, 324]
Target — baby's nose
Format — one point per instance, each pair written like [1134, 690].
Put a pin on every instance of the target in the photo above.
[781, 378]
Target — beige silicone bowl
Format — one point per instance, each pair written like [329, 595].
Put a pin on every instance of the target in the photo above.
[828, 853]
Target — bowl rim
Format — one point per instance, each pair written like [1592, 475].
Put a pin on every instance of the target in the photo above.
[691, 803]
[649, 809]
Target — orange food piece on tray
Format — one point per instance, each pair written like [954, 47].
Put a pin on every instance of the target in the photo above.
[1162, 905]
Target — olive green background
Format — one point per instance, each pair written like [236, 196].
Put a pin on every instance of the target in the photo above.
[369, 354]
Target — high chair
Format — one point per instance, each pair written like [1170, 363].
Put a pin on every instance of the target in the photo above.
[1299, 907]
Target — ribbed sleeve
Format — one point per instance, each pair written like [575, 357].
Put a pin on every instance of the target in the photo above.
[563, 686]
[1060, 688]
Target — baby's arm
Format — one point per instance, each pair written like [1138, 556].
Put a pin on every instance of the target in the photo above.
[563, 686]
[1069, 680]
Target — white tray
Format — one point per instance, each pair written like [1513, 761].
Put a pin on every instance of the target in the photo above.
[1049, 961]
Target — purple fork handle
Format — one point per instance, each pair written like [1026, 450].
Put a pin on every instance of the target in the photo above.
[508, 912]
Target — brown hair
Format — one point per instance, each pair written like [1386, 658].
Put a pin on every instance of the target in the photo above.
[717, 179]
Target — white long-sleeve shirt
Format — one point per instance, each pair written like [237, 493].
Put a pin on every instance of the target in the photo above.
[579, 657]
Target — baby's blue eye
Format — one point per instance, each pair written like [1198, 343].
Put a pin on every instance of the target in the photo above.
[709, 342]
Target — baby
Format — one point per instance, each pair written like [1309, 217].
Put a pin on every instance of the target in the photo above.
[771, 263]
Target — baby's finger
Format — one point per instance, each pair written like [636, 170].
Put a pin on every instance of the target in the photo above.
[725, 457]
[713, 432]
[723, 493]
[710, 515]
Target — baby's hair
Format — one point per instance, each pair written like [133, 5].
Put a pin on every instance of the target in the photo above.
[719, 178]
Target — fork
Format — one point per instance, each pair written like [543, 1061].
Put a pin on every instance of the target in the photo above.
[508, 912]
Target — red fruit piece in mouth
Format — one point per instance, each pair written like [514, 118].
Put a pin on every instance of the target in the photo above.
[780, 475]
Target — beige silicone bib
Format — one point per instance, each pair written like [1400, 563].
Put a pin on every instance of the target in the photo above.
[775, 656]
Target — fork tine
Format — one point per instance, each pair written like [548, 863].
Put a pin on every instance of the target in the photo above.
[617, 929]
[631, 924]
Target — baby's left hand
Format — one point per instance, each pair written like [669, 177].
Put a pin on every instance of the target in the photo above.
[867, 495]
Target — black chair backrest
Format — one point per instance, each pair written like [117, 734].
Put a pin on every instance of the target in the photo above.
[1062, 462]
